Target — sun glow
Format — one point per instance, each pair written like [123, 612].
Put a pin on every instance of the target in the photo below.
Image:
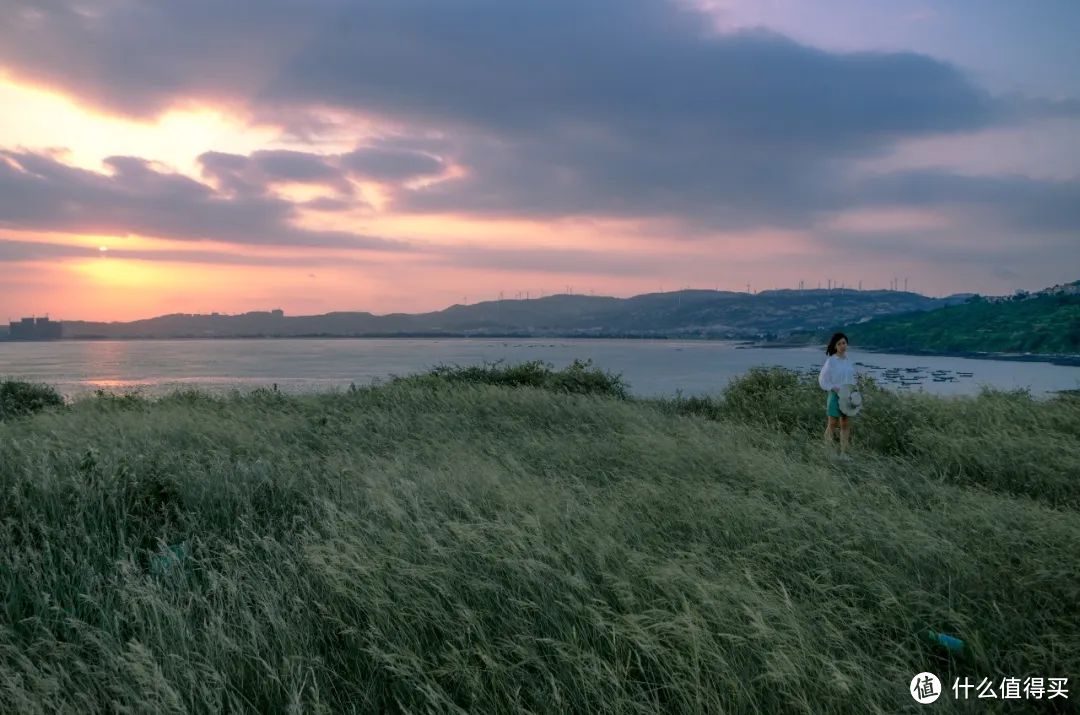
[48, 120]
[119, 273]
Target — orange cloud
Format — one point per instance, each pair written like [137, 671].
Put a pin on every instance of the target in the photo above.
[49, 119]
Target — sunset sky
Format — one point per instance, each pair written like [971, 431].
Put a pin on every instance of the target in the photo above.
[405, 155]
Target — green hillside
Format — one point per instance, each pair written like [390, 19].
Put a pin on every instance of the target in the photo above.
[506, 541]
[1047, 324]
[685, 313]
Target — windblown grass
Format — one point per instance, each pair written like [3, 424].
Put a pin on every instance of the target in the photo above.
[450, 545]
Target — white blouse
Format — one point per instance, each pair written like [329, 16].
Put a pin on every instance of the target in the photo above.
[835, 372]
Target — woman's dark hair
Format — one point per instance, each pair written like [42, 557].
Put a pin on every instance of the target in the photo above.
[837, 337]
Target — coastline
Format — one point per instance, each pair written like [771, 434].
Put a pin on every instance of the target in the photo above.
[1066, 360]
[1054, 359]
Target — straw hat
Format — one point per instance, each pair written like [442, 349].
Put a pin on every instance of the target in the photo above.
[850, 400]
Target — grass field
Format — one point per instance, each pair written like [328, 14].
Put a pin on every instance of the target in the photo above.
[522, 540]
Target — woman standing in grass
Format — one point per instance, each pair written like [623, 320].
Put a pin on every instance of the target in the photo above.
[835, 373]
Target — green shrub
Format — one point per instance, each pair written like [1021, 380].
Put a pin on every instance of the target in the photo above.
[106, 400]
[23, 398]
[580, 377]
[190, 397]
[776, 398]
[889, 419]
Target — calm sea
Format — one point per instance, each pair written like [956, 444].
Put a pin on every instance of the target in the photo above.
[652, 367]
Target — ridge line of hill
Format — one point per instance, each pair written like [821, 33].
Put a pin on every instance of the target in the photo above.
[704, 314]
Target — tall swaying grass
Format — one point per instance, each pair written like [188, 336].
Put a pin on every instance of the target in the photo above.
[471, 541]
[1006, 442]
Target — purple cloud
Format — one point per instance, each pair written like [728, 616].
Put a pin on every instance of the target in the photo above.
[37, 192]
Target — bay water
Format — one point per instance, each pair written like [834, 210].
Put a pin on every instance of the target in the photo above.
[652, 367]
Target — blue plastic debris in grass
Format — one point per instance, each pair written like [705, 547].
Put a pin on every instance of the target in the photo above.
[950, 643]
[169, 558]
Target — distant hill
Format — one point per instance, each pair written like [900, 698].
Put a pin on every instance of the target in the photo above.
[1045, 323]
[687, 313]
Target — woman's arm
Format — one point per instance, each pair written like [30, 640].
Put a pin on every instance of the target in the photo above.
[826, 379]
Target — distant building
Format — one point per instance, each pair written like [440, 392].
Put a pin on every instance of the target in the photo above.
[1067, 289]
[277, 313]
[35, 329]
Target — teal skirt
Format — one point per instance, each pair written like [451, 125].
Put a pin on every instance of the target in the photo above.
[832, 406]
